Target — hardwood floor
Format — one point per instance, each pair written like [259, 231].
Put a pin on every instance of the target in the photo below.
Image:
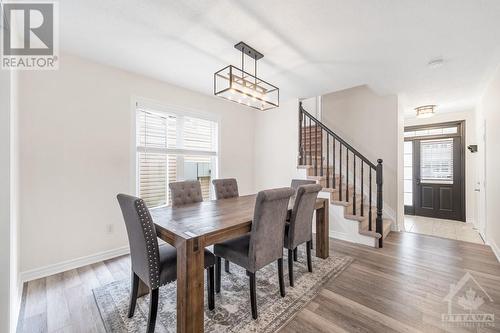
[399, 288]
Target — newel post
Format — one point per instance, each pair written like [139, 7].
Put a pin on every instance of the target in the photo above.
[301, 155]
[379, 223]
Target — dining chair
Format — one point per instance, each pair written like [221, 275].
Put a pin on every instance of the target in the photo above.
[185, 192]
[154, 265]
[224, 189]
[299, 229]
[262, 245]
[295, 185]
[298, 182]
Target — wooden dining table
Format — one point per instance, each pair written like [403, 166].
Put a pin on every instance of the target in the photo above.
[192, 227]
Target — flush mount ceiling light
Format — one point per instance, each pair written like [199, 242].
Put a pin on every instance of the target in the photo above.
[425, 111]
[237, 85]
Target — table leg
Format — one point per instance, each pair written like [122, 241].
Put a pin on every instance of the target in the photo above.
[190, 286]
[322, 231]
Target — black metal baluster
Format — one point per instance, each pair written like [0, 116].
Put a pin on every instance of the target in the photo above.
[327, 160]
[347, 175]
[316, 149]
[379, 222]
[362, 192]
[340, 167]
[354, 192]
[321, 151]
[301, 160]
[370, 202]
[310, 142]
[333, 167]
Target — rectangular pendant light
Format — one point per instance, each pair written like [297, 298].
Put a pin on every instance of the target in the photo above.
[239, 86]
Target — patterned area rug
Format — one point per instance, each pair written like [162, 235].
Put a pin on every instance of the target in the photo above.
[232, 306]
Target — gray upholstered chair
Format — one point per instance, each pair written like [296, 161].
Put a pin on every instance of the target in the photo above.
[295, 185]
[263, 244]
[299, 229]
[298, 182]
[225, 188]
[185, 192]
[154, 265]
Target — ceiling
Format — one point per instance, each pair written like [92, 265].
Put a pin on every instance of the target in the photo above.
[311, 47]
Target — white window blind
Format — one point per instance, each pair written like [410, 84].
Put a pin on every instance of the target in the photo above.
[173, 147]
[436, 161]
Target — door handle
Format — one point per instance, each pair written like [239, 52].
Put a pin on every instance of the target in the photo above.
[477, 190]
[418, 181]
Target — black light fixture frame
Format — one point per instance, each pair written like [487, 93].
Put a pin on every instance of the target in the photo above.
[249, 51]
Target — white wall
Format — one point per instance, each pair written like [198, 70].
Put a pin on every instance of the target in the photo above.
[489, 115]
[276, 146]
[76, 154]
[10, 287]
[369, 123]
[5, 200]
[470, 159]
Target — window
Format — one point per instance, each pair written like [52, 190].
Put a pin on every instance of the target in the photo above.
[436, 161]
[408, 173]
[173, 147]
[431, 131]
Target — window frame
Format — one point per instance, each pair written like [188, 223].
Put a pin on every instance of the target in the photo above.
[458, 124]
[166, 109]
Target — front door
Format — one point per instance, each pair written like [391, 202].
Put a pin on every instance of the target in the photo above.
[438, 174]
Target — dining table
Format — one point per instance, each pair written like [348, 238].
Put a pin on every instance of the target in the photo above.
[193, 227]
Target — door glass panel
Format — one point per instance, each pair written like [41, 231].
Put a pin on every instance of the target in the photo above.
[408, 173]
[450, 130]
[436, 161]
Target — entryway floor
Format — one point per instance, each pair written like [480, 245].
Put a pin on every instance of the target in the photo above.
[442, 228]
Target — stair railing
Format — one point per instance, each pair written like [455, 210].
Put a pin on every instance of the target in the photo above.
[309, 129]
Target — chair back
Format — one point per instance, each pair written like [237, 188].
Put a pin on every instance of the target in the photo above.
[225, 188]
[186, 192]
[268, 227]
[300, 229]
[299, 182]
[141, 231]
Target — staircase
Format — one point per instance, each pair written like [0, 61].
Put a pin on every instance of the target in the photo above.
[351, 181]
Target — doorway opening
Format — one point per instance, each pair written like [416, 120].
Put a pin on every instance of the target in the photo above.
[434, 180]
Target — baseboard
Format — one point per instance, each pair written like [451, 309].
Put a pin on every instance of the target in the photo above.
[345, 237]
[72, 264]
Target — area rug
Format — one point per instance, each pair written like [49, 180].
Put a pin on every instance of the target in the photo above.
[232, 306]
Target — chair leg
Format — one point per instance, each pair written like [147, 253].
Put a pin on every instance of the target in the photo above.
[217, 274]
[281, 278]
[309, 259]
[153, 310]
[295, 255]
[253, 294]
[290, 267]
[210, 287]
[133, 294]
[226, 265]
